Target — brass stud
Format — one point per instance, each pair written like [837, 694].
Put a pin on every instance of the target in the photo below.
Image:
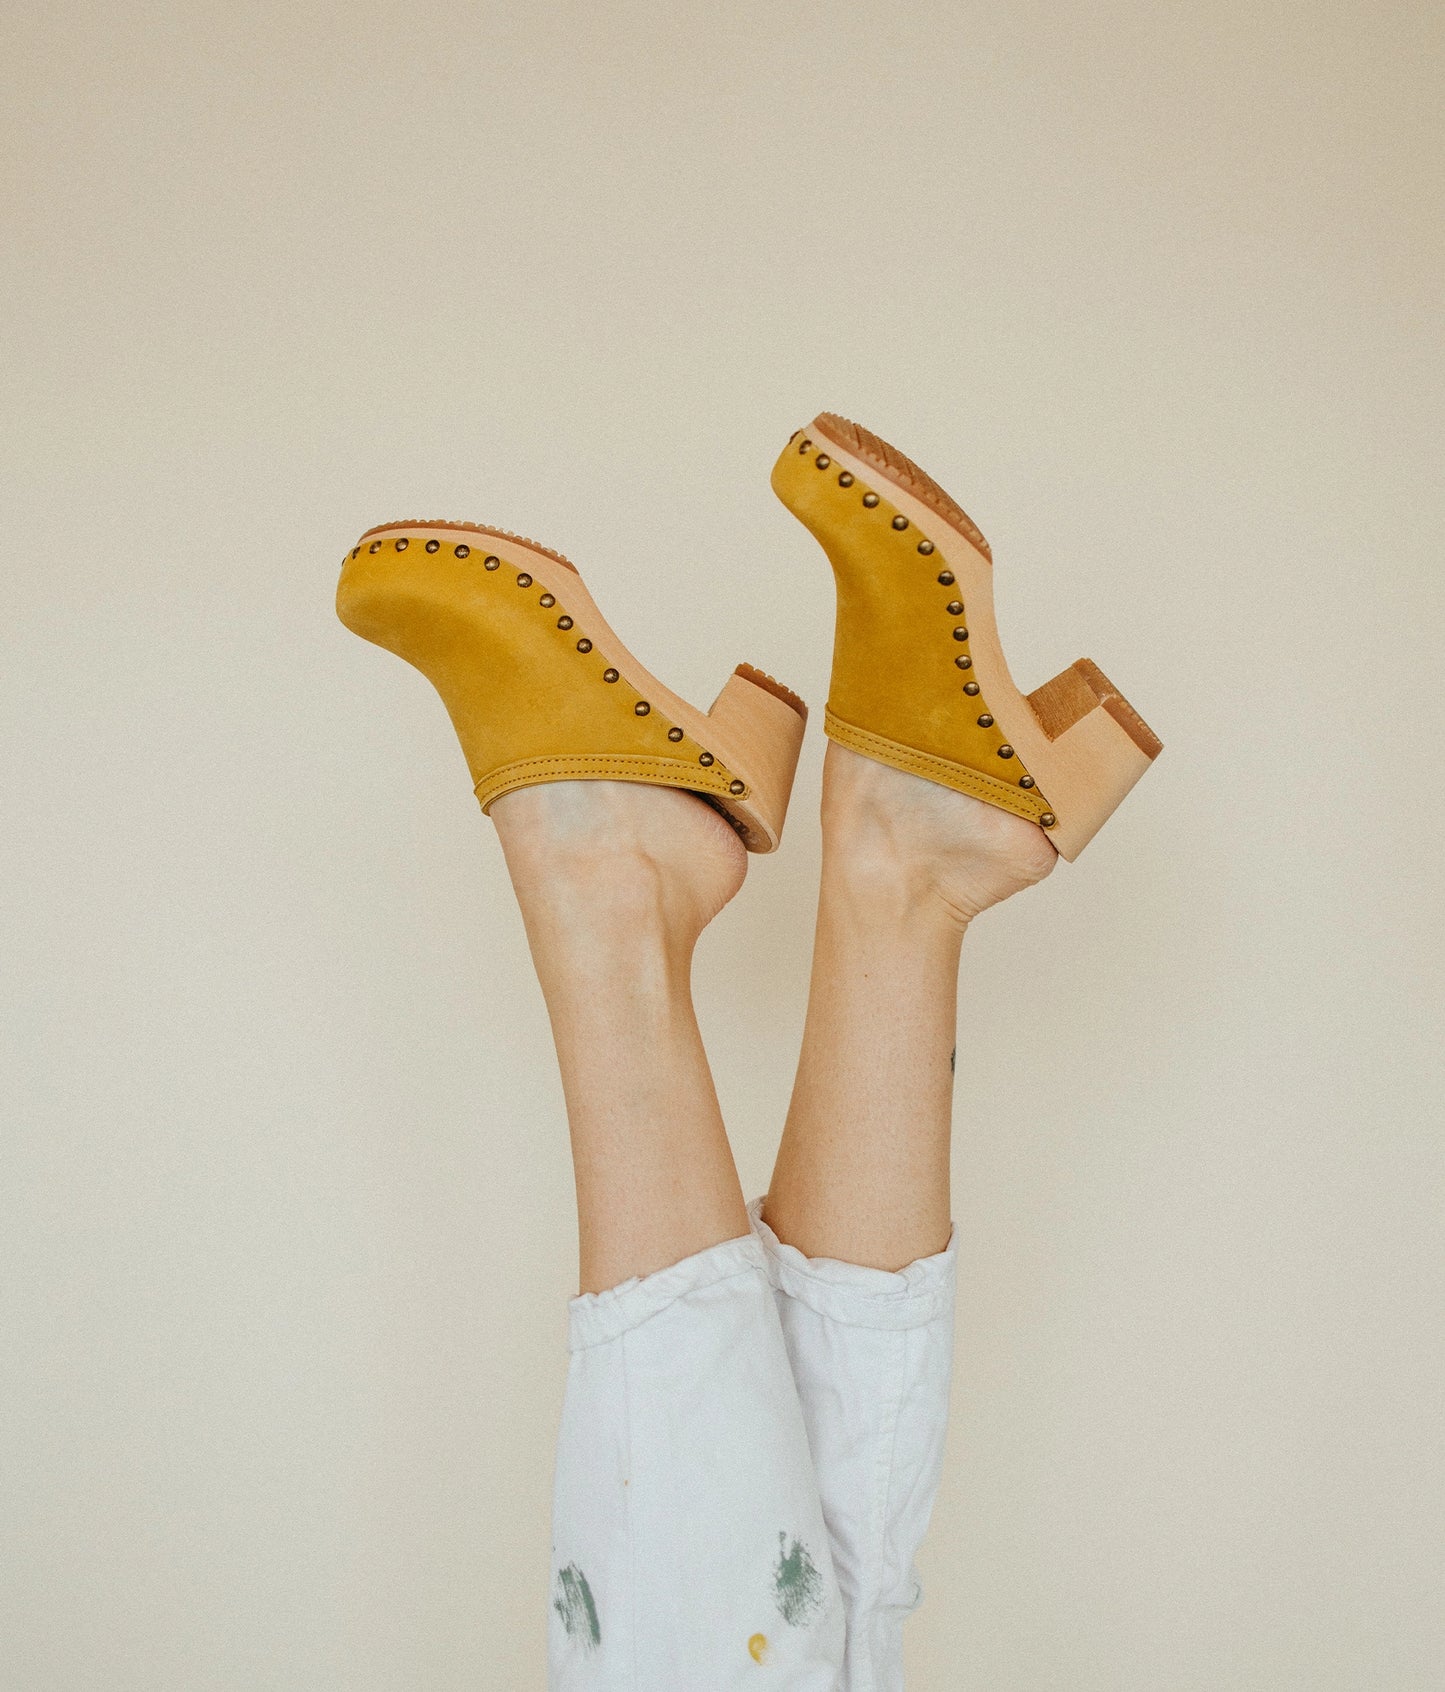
[355, 550]
[960, 633]
[641, 707]
[674, 734]
[564, 622]
[845, 479]
[1048, 819]
[970, 688]
[945, 578]
[900, 522]
[925, 547]
[403, 544]
[963, 661]
[1005, 751]
[524, 580]
[823, 461]
[609, 675]
[706, 758]
[1026, 781]
[870, 500]
[490, 562]
[584, 645]
[374, 547]
[985, 721]
[466, 552]
[736, 786]
[804, 444]
[432, 545]
[547, 601]
[954, 608]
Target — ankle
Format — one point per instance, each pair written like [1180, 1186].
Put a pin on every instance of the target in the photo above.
[881, 882]
[617, 868]
[893, 838]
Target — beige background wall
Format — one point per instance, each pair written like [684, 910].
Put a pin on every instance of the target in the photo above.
[1156, 291]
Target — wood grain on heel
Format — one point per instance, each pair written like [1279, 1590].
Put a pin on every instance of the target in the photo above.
[1098, 747]
[763, 722]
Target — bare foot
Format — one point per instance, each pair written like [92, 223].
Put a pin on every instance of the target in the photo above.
[608, 860]
[896, 830]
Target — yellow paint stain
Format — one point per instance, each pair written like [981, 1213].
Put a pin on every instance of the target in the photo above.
[758, 1647]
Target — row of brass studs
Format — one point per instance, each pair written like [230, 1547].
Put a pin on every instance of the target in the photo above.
[845, 480]
[954, 608]
[491, 562]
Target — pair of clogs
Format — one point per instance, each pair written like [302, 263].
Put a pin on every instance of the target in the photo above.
[540, 689]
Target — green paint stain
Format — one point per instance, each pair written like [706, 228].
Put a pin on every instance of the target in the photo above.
[797, 1585]
[575, 1606]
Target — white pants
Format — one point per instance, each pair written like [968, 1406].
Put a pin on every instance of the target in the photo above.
[750, 1447]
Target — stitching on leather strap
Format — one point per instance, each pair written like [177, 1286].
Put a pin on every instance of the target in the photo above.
[948, 774]
[599, 766]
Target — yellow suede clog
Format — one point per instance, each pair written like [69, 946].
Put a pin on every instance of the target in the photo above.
[540, 689]
[919, 678]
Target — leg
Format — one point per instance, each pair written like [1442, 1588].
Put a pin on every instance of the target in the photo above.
[863, 1170]
[616, 883]
[856, 1220]
[689, 1543]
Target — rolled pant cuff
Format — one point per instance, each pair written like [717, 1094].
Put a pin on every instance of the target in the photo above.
[855, 1294]
[594, 1317]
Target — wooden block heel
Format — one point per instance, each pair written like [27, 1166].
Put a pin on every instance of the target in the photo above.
[764, 720]
[1099, 746]
[919, 676]
[540, 689]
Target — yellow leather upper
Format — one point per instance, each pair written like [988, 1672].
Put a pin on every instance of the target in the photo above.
[896, 693]
[522, 680]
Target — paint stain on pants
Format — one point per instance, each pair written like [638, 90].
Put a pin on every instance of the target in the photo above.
[574, 1603]
[797, 1585]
